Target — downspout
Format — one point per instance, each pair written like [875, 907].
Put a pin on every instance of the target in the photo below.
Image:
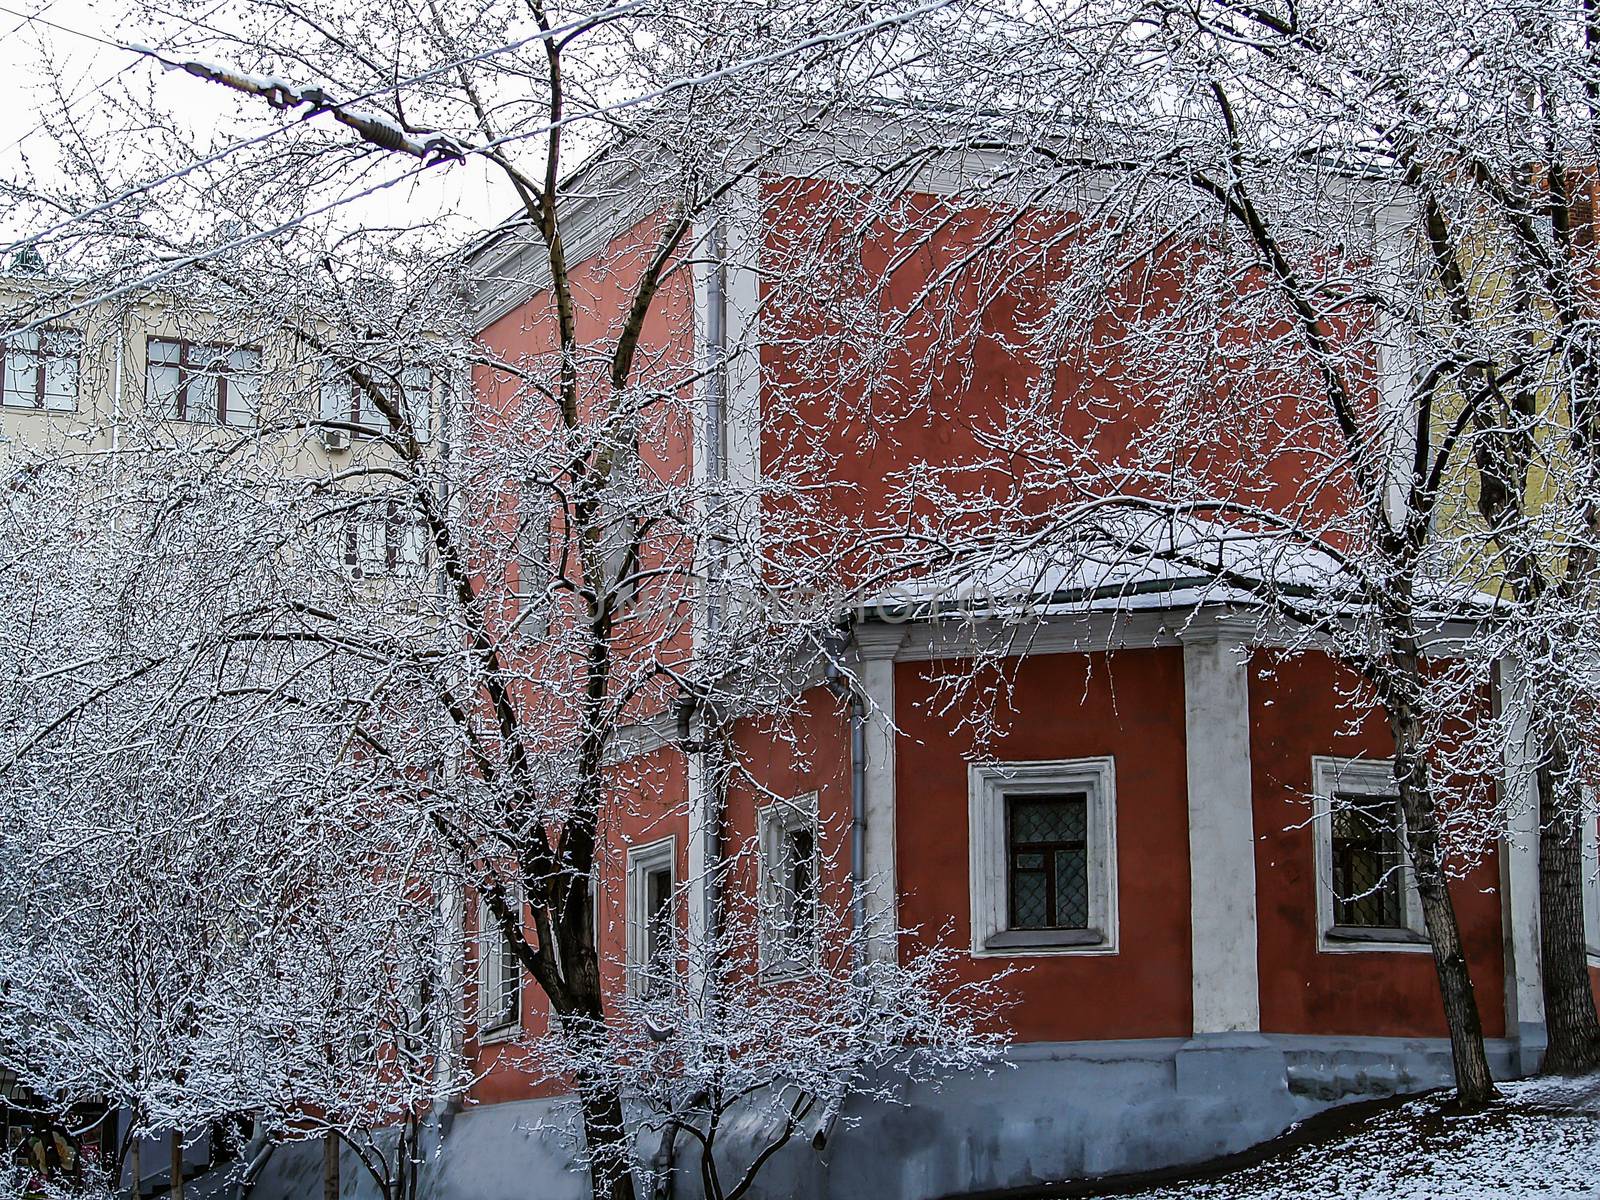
[716, 470]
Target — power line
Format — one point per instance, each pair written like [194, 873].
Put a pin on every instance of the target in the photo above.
[96, 89]
[37, 20]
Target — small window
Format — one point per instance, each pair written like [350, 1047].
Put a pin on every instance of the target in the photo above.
[205, 384]
[1368, 863]
[1047, 844]
[652, 917]
[341, 401]
[1366, 895]
[1043, 857]
[386, 540]
[529, 574]
[789, 872]
[499, 977]
[41, 370]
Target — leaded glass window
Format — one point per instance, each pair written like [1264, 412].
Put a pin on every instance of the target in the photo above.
[1367, 877]
[1048, 861]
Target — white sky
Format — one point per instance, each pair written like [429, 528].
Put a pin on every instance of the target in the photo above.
[63, 32]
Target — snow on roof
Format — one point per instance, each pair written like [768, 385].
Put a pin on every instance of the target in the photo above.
[1125, 559]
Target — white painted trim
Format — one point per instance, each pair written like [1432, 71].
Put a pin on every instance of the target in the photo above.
[773, 821]
[1519, 860]
[651, 856]
[1364, 777]
[1225, 975]
[486, 1035]
[988, 785]
[880, 871]
[1591, 890]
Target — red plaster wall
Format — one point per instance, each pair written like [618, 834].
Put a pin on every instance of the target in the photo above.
[1130, 707]
[1295, 713]
[808, 753]
[649, 802]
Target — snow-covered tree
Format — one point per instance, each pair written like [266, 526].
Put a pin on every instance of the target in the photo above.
[497, 599]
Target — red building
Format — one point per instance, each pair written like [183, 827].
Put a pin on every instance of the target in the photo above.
[1210, 952]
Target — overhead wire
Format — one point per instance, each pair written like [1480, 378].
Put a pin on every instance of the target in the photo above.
[96, 89]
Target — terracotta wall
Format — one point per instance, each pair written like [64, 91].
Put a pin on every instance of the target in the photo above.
[1295, 713]
[1128, 705]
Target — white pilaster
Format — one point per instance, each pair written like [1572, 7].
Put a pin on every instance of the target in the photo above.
[1519, 875]
[1222, 866]
[874, 671]
[703, 813]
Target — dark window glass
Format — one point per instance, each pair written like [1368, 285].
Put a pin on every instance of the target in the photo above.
[800, 898]
[657, 923]
[1048, 860]
[1366, 863]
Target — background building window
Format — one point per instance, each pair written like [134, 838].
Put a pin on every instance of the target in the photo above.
[343, 402]
[652, 918]
[1366, 894]
[530, 571]
[41, 370]
[499, 977]
[207, 384]
[386, 539]
[1043, 859]
[789, 873]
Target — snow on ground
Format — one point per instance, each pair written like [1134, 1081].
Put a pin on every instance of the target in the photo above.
[1542, 1142]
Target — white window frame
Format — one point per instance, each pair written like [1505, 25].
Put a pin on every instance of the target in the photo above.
[339, 404]
[781, 955]
[642, 860]
[1361, 777]
[988, 786]
[492, 937]
[35, 359]
[232, 374]
[384, 540]
[1591, 888]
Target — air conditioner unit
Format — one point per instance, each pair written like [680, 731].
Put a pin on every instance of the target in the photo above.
[334, 439]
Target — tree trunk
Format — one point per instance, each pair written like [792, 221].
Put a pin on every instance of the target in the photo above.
[1474, 1084]
[606, 1136]
[330, 1166]
[1571, 1019]
[135, 1167]
[177, 1164]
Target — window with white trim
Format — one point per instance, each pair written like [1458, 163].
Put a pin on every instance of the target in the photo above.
[205, 383]
[1366, 892]
[41, 369]
[789, 873]
[408, 391]
[652, 925]
[499, 977]
[1043, 857]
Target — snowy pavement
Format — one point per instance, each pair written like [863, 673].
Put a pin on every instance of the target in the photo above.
[1541, 1143]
